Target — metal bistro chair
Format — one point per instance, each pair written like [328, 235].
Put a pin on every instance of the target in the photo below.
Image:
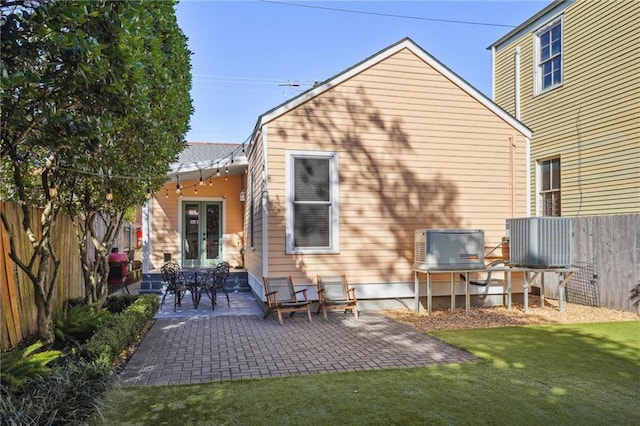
[215, 281]
[173, 283]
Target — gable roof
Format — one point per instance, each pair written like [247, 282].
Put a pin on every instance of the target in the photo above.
[405, 43]
[201, 156]
[532, 23]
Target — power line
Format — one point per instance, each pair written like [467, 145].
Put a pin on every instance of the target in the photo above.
[391, 15]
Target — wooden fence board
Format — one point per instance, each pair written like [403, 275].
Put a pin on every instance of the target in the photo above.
[17, 308]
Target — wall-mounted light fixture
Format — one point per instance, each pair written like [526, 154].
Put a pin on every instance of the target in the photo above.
[242, 196]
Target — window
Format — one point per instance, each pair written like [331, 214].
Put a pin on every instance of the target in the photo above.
[549, 56]
[550, 187]
[312, 211]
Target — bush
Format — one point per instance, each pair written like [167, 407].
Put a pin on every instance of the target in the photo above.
[77, 323]
[118, 303]
[20, 365]
[76, 383]
[71, 393]
[121, 331]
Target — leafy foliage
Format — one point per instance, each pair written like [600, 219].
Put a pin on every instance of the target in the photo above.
[18, 366]
[72, 392]
[75, 384]
[76, 324]
[94, 96]
[119, 302]
[121, 331]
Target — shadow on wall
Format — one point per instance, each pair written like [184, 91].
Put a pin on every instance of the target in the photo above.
[403, 196]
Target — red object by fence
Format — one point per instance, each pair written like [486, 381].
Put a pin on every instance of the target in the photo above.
[118, 267]
[139, 238]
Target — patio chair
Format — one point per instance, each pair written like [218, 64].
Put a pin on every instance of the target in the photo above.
[334, 294]
[283, 298]
[173, 283]
[216, 280]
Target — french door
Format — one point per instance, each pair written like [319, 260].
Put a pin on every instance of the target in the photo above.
[201, 233]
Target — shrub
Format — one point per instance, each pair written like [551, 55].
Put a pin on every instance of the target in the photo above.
[118, 303]
[17, 366]
[77, 323]
[68, 395]
[121, 331]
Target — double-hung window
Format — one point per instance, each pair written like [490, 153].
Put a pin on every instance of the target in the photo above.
[549, 51]
[312, 202]
[550, 187]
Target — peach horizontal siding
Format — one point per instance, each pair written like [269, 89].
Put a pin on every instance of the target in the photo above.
[165, 227]
[415, 151]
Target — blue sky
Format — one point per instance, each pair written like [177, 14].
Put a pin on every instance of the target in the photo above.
[248, 56]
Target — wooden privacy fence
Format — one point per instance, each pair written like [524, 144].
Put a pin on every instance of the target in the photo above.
[606, 252]
[17, 306]
[612, 244]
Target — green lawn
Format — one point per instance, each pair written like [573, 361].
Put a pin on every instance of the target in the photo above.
[582, 374]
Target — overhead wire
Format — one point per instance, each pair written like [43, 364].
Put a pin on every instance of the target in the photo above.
[390, 15]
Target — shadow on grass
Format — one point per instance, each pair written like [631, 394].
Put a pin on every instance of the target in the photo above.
[564, 374]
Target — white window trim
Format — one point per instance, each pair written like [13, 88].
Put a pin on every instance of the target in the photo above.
[334, 237]
[537, 74]
[539, 200]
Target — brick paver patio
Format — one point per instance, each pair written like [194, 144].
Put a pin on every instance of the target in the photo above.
[205, 348]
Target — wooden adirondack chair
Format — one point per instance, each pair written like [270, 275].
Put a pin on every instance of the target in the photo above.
[334, 294]
[283, 298]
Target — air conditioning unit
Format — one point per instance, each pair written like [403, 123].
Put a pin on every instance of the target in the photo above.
[449, 249]
[540, 242]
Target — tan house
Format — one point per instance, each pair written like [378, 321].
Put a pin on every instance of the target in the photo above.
[570, 73]
[340, 177]
[196, 219]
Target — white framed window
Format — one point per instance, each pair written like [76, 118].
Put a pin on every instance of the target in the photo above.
[548, 60]
[312, 202]
[549, 184]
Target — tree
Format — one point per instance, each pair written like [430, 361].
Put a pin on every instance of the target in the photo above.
[82, 106]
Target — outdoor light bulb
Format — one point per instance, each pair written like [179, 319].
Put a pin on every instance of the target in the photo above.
[226, 170]
[210, 182]
[148, 195]
[196, 190]
[201, 182]
[218, 171]
[53, 191]
[109, 195]
[166, 193]
[226, 178]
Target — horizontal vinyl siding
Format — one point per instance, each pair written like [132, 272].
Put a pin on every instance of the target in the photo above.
[414, 152]
[592, 121]
[253, 255]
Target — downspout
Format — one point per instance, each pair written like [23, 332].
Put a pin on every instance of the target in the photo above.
[265, 205]
[493, 73]
[516, 83]
[511, 177]
[146, 236]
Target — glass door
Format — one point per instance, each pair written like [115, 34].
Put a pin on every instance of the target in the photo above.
[201, 233]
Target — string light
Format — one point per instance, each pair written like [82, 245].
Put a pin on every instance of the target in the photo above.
[228, 159]
[53, 191]
[166, 193]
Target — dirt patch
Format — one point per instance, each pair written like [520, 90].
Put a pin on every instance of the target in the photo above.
[499, 316]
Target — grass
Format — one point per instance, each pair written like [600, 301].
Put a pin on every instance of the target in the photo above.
[559, 374]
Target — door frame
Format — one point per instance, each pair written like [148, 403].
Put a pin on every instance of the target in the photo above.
[223, 227]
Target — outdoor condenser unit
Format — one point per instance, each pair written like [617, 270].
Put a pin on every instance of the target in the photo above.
[449, 249]
[540, 242]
